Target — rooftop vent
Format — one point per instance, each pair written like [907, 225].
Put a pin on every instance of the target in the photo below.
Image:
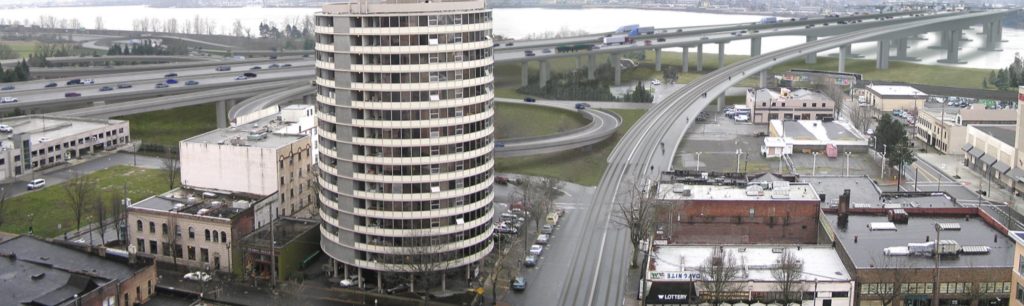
[882, 226]
[949, 226]
[975, 249]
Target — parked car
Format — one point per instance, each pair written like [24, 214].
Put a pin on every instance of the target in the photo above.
[655, 82]
[349, 282]
[8, 87]
[50, 85]
[36, 184]
[72, 94]
[530, 261]
[529, 99]
[198, 276]
[519, 283]
[396, 289]
[543, 239]
[171, 75]
[191, 82]
[106, 88]
[8, 100]
[6, 128]
[224, 68]
[547, 229]
[501, 180]
[536, 249]
[161, 85]
[123, 86]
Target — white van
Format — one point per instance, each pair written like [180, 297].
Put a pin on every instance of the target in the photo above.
[36, 184]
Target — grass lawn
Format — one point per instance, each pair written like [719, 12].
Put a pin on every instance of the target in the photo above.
[168, 127]
[22, 47]
[514, 120]
[581, 166]
[47, 208]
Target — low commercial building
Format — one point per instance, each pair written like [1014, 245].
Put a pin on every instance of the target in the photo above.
[800, 104]
[675, 275]
[41, 141]
[886, 98]
[254, 159]
[806, 136]
[193, 228]
[989, 151]
[296, 242]
[946, 130]
[1017, 277]
[38, 272]
[890, 254]
[729, 208]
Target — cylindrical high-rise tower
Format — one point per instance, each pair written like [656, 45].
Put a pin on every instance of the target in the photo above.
[404, 108]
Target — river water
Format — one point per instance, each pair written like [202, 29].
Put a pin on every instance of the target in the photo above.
[521, 22]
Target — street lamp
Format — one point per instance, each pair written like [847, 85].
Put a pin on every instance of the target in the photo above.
[814, 163]
[739, 152]
[698, 161]
[885, 150]
[848, 163]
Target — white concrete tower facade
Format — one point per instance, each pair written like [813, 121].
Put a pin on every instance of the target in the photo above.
[405, 108]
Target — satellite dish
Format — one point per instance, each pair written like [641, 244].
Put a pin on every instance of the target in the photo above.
[132, 249]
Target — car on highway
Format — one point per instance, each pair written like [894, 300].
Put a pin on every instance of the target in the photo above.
[171, 81]
[286, 65]
[74, 82]
[546, 50]
[191, 82]
[529, 100]
[161, 85]
[519, 283]
[536, 249]
[704, 38]
[123, 86]
[170, 75]
[8, 87]
[36, 184]
[241, 78]
[273, 66]
[106, 88]
[88, 82]
[661, 39]
[72, 94]
[198, 276]
[223, 68]
[8, 100]
[530, 261]
[50, 85]
[249, 74]
[508, 44]
[255, 68]
[6, 128]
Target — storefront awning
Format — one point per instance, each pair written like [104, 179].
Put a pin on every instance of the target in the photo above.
[976, 152]
[967, 147]
[671, 293]
[988, 159]
[1017, 174]
[1000, 167]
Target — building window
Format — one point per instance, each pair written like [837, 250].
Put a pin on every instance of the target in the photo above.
[207, 235]
[152, 246]
[163, 228]
[204, 255]
[223, 237]
[191, 233]
[1020, 293]
[165, 248]
[141, 243]
[152, 227]
[138, 225]
[840, 294]
[215, 237]
[191, 253]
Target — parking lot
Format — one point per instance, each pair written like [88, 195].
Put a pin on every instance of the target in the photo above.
[717, 139]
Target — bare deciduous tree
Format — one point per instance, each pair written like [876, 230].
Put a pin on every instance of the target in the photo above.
[637, 213]
[4, 192]
[423, 258]
[100, 211]
[79, 191]
[719, 275]
[99, 22]
[787, 273]
[171, 167]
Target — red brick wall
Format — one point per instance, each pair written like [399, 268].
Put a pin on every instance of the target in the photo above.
[730, 221]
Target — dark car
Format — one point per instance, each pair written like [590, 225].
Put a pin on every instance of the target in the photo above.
[171, 81]
[191, 82]
[286, 65]
[223, 68]
[123, 86]
[272, 66]
[661, 39]
[170, 75]
[50, 85]
[273, 57]
[508, 44]
[255, 68]
[106, 88]
[74, 82]
[8, 87]
[72, 94]
[530, 261]
[529, 100]
[249, 74]
[161, 85]
[396, 289]
[519, 283]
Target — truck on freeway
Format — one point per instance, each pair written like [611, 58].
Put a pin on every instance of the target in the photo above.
[618, 39]
[769, 20]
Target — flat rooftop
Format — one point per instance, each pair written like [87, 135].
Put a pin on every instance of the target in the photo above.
[821, 263]
[865, 194]
[865, 246]
[811, 132]
[1004, 133]
[46, 127]
[757, 192]
[199, 203]
[285, 230]
[259, 133]
[896, 91]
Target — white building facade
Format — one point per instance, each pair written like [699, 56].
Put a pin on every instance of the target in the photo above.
[405, 134]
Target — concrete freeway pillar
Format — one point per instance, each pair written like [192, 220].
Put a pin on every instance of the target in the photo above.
[525, 73]
[811, 58]
[657, 59]
[901, 47]
[992, 33]
[700, 57]
[882, 58]
[686, 59]
[591, 65]
[755, 46]
[222, 114]
[762, 79]
[544, 73]
[953, 49]
[618, 68]
[721, 55]
[844, 51]
[943, 40]
[721, 101]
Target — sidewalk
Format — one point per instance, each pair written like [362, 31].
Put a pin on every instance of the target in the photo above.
[953, 167]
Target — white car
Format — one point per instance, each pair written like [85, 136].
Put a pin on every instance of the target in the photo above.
[36, 184]
[543, 239]
[6, 128]
[241, 78]
[198, 276]
[88, 82]
[655, 82]
[536, 249]
[8, 100]
[742, 118]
